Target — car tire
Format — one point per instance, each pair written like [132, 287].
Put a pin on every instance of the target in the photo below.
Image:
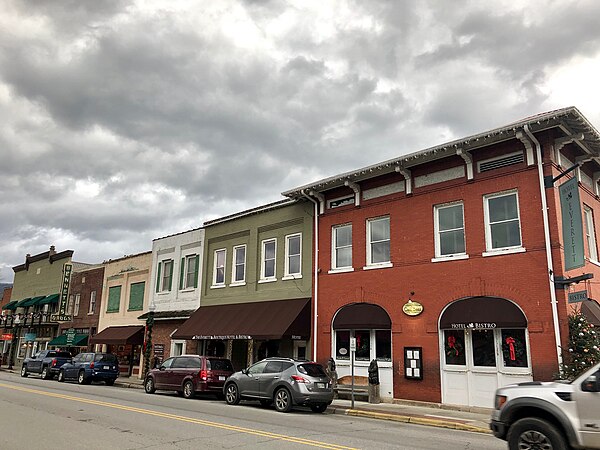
[45, 373]
[265, 402]
[61, 376]
[81, 377]
[24, 371]
[110, 382]
[319, 407]
[149, 386]
[533, 433]
[232, 394]
[188, 389]
[283, 400]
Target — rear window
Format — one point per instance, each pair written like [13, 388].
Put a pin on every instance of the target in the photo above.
[63, 355]
[312, 370]
[107, 358]
[219, 364]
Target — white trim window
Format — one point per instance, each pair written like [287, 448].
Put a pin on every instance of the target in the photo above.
[92, 308]
[449, 230]
[293, 256]
[191, 272]
[77, 303]
[268, 266]
[590, 234]
[166, 277]
[220, 258]
[502, 222]
[378, 241]
[177, 347]
[238, 274]
[341, 243]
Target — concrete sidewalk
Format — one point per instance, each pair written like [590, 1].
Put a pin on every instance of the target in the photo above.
[421, 413]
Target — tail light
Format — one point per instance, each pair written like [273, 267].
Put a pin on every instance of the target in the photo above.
[53, 362]
[92, 365]
[299, 379]
[203, 374]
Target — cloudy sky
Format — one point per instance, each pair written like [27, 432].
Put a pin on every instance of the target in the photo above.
[125, 121]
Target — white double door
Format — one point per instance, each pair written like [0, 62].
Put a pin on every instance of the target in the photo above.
[476, 362]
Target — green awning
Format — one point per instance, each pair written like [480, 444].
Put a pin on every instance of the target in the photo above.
[23, 303]
[52, 298]
[11, 305]
[79, 341]
[36, 300]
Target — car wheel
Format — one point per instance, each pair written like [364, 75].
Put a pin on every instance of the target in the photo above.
[149, 386]
[283, 400]
[81, 377]
[110, 382]
[533, 433]
[61, 376]
[24, 371]
[264, 402]
[45, 374]
[232, 395]
[319, 407]
[188, 389]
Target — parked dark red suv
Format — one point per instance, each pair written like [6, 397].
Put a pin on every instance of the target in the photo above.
[189, 374]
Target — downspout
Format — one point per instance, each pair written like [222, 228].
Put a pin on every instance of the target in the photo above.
[316, 265]
[538, 153]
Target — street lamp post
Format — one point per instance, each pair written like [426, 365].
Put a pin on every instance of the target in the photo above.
[15, 340]
[148, 342]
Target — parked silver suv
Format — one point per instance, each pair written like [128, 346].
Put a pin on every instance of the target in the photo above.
[283, 381]
[550, 416]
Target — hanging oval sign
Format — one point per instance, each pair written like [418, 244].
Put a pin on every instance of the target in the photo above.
[412, 308]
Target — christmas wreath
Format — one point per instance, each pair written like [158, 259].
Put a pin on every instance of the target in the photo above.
[513, 350]
[453, 347]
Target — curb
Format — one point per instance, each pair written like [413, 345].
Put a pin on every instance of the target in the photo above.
[410, 419]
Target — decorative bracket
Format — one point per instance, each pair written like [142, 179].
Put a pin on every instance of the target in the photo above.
[528, 147]
[356, 188]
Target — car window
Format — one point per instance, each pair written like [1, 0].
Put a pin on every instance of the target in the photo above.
[63, 355]
[89, 357]
[168, 363]
[219, 364]
[180, 363]
[77, 358]
[105, 357]
[273, 367]
[192, 363]
[257, 368]
[286, 365]
[49, 354]
[312, 370]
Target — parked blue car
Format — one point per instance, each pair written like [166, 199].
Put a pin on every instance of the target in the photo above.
[88, 367]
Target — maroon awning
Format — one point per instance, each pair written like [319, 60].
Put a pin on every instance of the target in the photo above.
[482, 312]
[256, 320]
[133, 334]
[362, 315]
[591, 310]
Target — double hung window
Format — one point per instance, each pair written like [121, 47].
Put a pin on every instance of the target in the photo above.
[92, 308]
[378, 237]
[219, 267]
[590, 235]
[503, 226]
[164, 275]
[268, 266]
[293, 259]
[188, 275]
[239, 265]
[342, 247]
[449, 230]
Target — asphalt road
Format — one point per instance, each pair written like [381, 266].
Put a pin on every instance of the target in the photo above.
[45, 414]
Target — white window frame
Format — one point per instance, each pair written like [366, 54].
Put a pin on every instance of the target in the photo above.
[372, 348]
[438, 233]
[70, 303]
[216, 284]
[263, 278]
[186, 271]
[92, 305]
[237, 263]
[590, 233]
[77, 303]
[334, 263]
[174, 343]
[488, 229]
[287, 274]
[370, 263]
[164, 287]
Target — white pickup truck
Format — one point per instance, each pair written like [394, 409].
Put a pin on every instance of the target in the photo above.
[550, 416]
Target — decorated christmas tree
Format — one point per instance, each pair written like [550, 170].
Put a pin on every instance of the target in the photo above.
[584, 346]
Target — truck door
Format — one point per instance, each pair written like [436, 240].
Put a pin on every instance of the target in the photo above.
[588, 407]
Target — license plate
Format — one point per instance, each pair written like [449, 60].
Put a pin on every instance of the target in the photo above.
[221, 378]
[320, 385]
[106, 367]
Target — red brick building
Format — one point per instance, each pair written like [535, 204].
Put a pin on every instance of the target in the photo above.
[441, 264]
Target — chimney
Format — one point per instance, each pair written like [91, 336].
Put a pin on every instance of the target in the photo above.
[52, 250]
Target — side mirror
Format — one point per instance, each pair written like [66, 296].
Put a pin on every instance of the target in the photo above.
[245, 371]
[591, 384]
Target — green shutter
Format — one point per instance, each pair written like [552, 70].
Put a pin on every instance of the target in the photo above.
[158, 277]
[171, 275]
[196, 271]
[181, 269]
[114, 299]
[136, 296]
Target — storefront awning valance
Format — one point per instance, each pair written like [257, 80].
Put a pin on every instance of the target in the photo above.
[257, 320]
[36, 300]
[591, 310]
[482, 312]
[133, 334]
[362, 315]
[11, 305]
[23, 303]
[79, 341]
[52, 298]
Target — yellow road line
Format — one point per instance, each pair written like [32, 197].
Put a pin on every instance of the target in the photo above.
[207, 423]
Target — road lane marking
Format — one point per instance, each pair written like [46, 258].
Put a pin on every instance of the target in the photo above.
[207, 423]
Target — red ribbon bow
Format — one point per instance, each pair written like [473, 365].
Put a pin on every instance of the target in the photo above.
[451, 343]
[511, 347]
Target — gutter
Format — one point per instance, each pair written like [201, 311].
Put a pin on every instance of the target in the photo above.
[538, 153]
[316, 265]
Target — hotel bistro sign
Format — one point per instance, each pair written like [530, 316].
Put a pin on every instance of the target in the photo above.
[62, 315]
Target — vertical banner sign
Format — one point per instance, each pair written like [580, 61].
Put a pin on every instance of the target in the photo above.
[572, 226]
[64, 290]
